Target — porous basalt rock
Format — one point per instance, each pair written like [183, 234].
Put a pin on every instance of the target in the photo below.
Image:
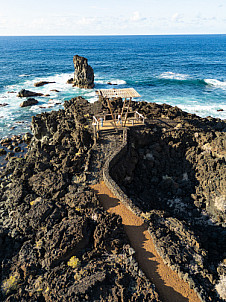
[176, 177]
[49, 216]
[2, 151]
[83, 75]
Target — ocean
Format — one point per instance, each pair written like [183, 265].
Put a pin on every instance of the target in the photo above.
[188, 71]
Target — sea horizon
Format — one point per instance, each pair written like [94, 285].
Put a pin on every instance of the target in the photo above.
[120, 35]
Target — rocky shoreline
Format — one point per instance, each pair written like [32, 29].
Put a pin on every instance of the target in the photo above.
[57, 241]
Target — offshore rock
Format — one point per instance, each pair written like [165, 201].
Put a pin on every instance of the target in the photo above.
[70, 81]
[23, 93]
[83, 75]
[29, 102]
[42, 83]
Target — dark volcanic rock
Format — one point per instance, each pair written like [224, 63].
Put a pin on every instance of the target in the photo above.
[47, 182]
[110, 83]
[27, 93]
[27, 137]
[174, 172]
[57, 242]
[70, 81]
[2, 151]
[29, 102]
[42, 83]
[83, 75]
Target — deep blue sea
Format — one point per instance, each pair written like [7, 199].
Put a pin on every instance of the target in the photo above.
[186, 71]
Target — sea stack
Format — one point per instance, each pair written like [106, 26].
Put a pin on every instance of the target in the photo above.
[83, 75]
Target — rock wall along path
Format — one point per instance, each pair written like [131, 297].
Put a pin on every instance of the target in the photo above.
[169, 286]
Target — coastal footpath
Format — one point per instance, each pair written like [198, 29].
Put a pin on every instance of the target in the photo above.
[58, 243]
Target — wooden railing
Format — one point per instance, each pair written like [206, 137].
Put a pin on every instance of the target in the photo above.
[96, 122]
[139, 116]
[99, 120]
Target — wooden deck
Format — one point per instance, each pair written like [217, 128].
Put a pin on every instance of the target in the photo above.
[108, 124]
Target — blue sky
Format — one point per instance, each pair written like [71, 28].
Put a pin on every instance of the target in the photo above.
[115, 17]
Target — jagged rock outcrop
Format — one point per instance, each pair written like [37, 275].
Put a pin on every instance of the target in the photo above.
[57, 242]
[83, 75]
[23, 93]
[174, 172]
[29, 102]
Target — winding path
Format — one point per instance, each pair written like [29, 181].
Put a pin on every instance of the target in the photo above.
[169, 286]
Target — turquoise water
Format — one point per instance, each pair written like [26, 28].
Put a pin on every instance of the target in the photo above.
[186, 71]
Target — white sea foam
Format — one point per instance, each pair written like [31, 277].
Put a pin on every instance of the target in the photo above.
[216, 83]
[113, 82]
[118, 82]
[24, 75]
[174, 76]
[205, 110]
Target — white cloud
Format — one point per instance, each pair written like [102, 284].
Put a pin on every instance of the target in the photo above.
[135, 16]
[85, 21]
[177, 17]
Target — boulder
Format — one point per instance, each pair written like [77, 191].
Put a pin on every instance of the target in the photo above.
[42, 83]
[23, 93]
[70, 81]
[27, 137]
[17, 149]
[29, 102]
[6, 141]
[83, 75]
[2, 151]
[110, 83]
[9, 155]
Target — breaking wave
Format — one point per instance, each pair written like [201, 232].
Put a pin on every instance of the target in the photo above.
[216, 83]
[111, 82]
[174, 76]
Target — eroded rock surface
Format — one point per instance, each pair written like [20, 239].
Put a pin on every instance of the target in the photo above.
[57, 242]
[174, 172]
[83, 75]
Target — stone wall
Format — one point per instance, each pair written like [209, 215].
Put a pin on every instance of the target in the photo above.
[119, 154]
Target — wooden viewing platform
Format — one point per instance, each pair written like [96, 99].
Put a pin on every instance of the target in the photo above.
[135, 119]
[124, 118]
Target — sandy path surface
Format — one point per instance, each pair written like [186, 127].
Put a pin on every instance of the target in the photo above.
[169, 286]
